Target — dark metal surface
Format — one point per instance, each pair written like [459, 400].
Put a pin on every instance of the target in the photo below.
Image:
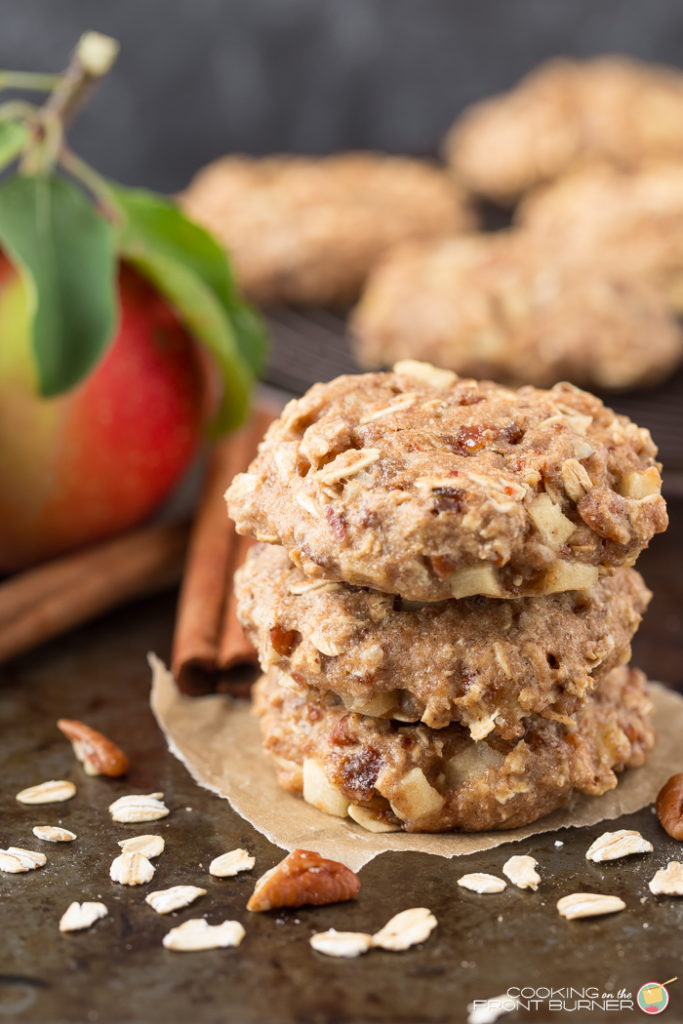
[312, 345]
[119, 972]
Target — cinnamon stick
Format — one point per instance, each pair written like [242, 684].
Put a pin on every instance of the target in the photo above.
[234, 646]
[44, 602]
[208, 639]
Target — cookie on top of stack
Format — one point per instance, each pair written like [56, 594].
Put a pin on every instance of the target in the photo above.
[443, 600]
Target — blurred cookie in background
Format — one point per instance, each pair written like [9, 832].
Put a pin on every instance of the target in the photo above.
[510, 307]
[634, 221]
[307, 230]
[615, 108]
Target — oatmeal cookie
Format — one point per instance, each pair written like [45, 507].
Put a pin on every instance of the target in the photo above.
[616, 109]
[633, 221]
[306, 230]
[481, 662]
[425, 485]
[427, 780]
[505, 306]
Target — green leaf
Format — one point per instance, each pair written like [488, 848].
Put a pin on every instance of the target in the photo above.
[205, 318]
[65, 251]
[160, 226]
[13, 138]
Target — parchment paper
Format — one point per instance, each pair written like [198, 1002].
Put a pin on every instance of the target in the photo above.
[218, 740]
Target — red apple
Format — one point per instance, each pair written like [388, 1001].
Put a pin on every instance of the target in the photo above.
[104, 455]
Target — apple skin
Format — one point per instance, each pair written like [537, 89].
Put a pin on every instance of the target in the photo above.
[104, 455]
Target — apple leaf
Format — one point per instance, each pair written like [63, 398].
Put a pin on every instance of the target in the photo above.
[159, 225]
[13, 138]
[164, 225]
[205, 318]
[65, 252]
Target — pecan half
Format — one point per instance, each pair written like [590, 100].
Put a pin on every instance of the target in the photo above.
[100, 756]
[669, 806]
[304, 877]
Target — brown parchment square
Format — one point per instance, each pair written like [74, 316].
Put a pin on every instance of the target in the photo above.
[218, 740]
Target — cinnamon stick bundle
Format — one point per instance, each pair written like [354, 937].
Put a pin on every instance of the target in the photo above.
[208, 639]
[42, 603]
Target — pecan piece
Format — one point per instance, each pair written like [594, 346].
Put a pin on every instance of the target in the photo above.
[304, 877]
[99, 755]
[669, 806]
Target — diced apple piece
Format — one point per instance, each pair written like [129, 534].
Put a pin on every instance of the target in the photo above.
[640, 485]
[416, 798]
[320, 792]
[550, 521]
[479, 579]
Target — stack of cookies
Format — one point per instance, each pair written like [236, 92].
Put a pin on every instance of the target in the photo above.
[443, 600]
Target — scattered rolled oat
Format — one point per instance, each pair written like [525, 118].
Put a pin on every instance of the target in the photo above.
[31, 858]
[164, 901]
[479, 881]
[98, 754]
[613, 845]
[197, 934]
[53, 834]
[10, 864]
[132, 809]
[588, 904]
[131, 869]
[230, 864]
[303, 877]
[405, 929]
[521, 870]
[343, 944]
[55, 791]
[81, 915]
[148, 846]
[14, 860]
[668, 881]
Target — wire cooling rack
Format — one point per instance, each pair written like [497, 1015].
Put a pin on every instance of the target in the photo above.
[312, 345]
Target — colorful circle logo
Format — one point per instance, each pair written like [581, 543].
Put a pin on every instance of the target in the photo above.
[652, 997]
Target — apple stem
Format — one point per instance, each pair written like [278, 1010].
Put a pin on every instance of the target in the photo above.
[92, 180]
[92, 58]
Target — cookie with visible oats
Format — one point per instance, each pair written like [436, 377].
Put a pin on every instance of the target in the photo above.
[617, 109]
[632, 221]
[306, 230]
[387, 774]
[425, 485]
[486, 664]
[505, 306]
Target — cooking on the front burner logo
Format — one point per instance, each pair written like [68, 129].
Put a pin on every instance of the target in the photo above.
[653, 997]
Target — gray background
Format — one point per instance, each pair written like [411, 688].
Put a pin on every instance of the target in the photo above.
[197, 78]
